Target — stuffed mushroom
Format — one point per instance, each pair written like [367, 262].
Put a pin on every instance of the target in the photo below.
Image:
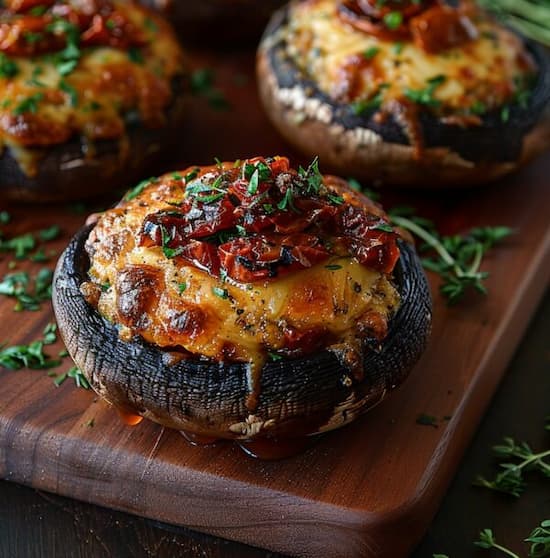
[409, 93]
[246, 301]
[90, 96]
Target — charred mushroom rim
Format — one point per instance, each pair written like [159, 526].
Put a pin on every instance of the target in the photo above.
[226, 23]
[411, 93]
[245, 300]
[90, 95]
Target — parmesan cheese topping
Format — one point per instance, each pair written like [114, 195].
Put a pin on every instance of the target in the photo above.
[352, 66]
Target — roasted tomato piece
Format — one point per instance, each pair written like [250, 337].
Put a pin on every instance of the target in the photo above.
[206, 219]
[441, 28]
[163, 227]
[378, 250]
[262, 257]
[279, 165]
[303, 342]
[311, 211]
[203, 255]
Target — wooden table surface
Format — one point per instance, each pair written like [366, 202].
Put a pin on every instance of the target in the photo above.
[36, 524]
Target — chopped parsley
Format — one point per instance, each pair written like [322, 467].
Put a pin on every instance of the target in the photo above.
[8, 68]
[222, 293]
[51, 233]
[384, 227]
[137, 190]
[71, 92]
[182, 287]
[426, 96]
[393, 20]
[371, 52]
[31, 356]
[426, 420]
[202, 85]
[135, 55]
[333, 267]
[274, 357]
[18, 286]
[28, 104]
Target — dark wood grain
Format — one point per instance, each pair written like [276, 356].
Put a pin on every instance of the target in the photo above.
[350, 493]
[34, 524]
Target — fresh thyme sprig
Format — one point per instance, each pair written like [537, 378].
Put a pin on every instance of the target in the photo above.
[511, 480]
[457, 258]
[539, 539]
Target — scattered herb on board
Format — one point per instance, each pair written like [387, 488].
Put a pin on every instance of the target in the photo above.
[426, 420]
[519, 459]
[456, 259]
[31, 356]
[76, 374]
[18, 286]
[538, 540]
[202, 85]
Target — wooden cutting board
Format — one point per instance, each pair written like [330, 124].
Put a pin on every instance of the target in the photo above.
[368, 490]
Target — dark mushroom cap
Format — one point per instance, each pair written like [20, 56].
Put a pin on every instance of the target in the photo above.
[380, 149]
[298, 397]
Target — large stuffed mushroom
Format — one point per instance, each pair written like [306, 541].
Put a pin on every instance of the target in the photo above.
[90, 96]
[409, 93]
[245, 301]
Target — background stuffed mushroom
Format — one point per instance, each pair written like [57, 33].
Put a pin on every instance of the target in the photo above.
[305, 322]
[90, 96]
[409, 93]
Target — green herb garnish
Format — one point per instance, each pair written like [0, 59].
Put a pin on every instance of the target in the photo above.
[222, 293]
[137, 190]
[520, 458]
[28, 104]
[457, 259]
[426, 96]
[8, 68]
[18, 286]
[135, 55]
[426, 420]
[371, 52]
[393, 20]
[51, 233]
[71, 92]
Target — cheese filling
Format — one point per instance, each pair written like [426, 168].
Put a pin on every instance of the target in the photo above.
[489, 71]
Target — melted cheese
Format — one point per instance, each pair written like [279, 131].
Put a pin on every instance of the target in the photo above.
[109, 91]
[171, 303]
[487, 70]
